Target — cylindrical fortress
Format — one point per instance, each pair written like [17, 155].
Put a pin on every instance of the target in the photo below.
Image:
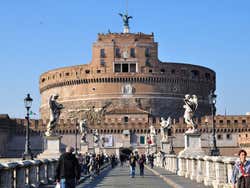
[125, 70]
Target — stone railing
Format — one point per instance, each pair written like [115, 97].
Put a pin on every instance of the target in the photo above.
[30, 173]
[209, 170]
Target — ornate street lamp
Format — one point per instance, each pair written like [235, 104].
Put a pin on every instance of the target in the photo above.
[27, 155]
[212, 101]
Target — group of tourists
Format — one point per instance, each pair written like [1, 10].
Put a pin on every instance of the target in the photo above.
[136, 159]
[70, 167]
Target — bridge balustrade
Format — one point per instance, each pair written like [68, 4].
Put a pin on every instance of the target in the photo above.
[209, 170]
[29, 173]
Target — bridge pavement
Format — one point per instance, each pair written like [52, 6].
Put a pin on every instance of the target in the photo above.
[119, 177]
[175, 180]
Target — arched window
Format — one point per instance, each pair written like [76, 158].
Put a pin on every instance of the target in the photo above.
[195, 74]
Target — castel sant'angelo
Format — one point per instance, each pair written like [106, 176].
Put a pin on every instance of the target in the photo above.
[122, 92]
[125, 73]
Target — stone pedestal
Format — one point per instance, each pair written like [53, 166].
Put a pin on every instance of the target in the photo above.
[84, 148]
[153, 148]
[52, 149]
[192, 149]
[97, 150]
[165, 146]
[192, 145]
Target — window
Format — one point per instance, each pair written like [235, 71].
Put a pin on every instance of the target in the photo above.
[126, 119]
[221, 121]
[195, 74]
[67, 73]
[235, 121]
[87, 71]
[142, 139]
[132, 67]
[117, 67]
[228, 122]
[98, 71]
[102, 53]
[147, 52]
[150, 70]
[207, 76]
[162, 70]
[147, 63]
[102, 63]
[124, 67]
[117, 53]
[229, 136]
[132, 52]
[243, 121]
[219, 137]
[173, 71]
[43, 80]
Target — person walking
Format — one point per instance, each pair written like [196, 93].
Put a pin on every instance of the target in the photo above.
[151, 160]
[68, 169]
[141, 162]
[132, 162]
[92, 168]
[241, 171]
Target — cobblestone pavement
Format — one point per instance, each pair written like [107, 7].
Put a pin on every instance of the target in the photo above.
[119, 177]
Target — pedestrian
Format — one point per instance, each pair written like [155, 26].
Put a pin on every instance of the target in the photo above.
[241, 171]
[68, 169]
[92, 168]
[141, 162]
[113, 160]
[151, 160]
[132, 162]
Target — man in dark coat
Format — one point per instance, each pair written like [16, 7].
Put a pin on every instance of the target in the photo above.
[68, 169]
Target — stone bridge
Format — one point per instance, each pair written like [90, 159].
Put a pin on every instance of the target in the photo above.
[173, 171]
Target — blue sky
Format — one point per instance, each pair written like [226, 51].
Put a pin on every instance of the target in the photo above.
[36, 36]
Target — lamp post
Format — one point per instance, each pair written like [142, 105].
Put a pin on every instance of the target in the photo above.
[76, 133]
[27, 155]
[212, 101]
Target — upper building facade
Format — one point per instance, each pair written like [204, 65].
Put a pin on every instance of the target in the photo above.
[125, 71]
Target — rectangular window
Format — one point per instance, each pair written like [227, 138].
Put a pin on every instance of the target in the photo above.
[147, 52]
[102, 53]
[117, 67]
[126, 119]
[147, 63]
[124, 67]
[142, 139]
[117, 53]
[102, 63]
[132, 67]
[132, 52]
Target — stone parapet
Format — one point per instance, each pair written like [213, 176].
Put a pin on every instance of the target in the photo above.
[29, 173]
[209, 170]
